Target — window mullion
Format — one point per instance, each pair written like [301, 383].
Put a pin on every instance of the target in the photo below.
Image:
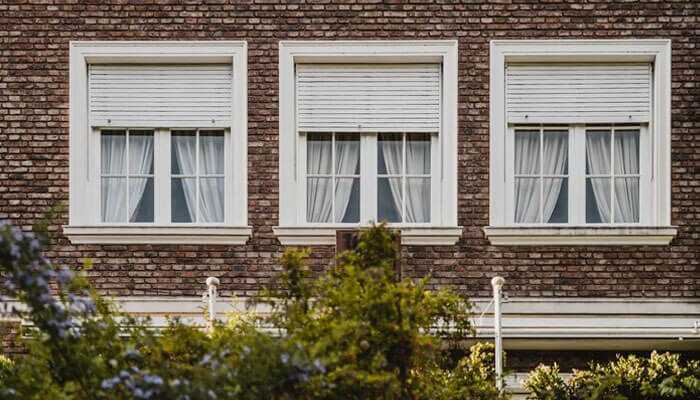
[333, 175]
[126, 174]
[403, 177]
[368, 177]
[612, 175]
[541, 179]
[196, 176]
[162, 176]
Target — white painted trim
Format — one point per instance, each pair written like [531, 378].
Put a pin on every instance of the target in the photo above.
[657, 51]
[158, 234]
[84, 180]
[307, 236]
[398, 51]
[578, 236]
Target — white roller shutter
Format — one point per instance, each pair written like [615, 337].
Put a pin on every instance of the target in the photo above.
[154, 95]
[368, 98]
[584, 93]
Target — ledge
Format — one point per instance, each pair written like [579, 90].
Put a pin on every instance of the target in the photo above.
[230, 235]
[579, 236]
[410, 236]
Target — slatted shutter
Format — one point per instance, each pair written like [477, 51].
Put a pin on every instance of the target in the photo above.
[578, 93]
[368, 98]
[154, 95]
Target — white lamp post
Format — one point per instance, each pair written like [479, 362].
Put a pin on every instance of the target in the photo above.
[212, 284]
[497, 283]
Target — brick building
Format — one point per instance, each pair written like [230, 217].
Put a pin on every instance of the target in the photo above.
[551, 143]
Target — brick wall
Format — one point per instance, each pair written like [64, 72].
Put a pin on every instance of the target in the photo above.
[34, 38]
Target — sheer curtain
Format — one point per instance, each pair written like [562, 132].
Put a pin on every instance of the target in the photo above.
[347, 158]
[418, 189]
[527, 196]
[626, 189]
[113, 154]
[185, 147]
[140, 163]
[211, 190]
[598, 163]
[392, 151]
[554, 152]
[319, 203]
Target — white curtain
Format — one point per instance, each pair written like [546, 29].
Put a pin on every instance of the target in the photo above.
[554, 153]
[319, 203]
[113, 154]
[418, 189]
[626, 189]
[347, 158]
[392, 152]
[211, 190]
[140, 163]
[527, 196]
[598, 162]
[185, 148]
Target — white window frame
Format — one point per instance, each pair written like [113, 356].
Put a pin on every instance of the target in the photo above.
[654, 227]
[293, 229]
[84, 224]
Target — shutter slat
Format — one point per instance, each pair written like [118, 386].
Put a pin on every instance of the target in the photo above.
[154, 95]
[571, 93]
[368, 98]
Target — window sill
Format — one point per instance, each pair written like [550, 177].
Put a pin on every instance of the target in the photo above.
[410, 236]
[230, 235]
[577, 236]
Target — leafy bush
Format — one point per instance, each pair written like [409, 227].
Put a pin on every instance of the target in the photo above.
[355, 333]
[661, 376]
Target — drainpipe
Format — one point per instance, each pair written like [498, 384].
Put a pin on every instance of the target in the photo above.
[212, 284]
[497, 283]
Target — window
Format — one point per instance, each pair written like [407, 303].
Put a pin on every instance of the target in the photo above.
[159, 142]
[579, 141]
[368, 134]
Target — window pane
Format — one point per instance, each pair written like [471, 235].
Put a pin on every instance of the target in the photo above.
[211, 199]
[389, 199]
[347, 200]
[598, 200]
[319, 156]
[113, 152]
[527, 152]
[626, 200]
[113, 199]
[417, 199]
[555, 152]
[418, 154]
[390, 154]
[141, 152]
[627, 152]
[319, 200]
[140, 199]
[555, 195]
[183, 152]
[347, 154]
[184, 198]
[527, 200]
[211, 152]
[597, 152]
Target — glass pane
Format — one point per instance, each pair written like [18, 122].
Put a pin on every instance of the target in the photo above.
[319, 156]
[527, 152]
[555, 197]
[418, 154]
[319, 200]
[113, 152]
[418, 200]
[347, 154]
[390, 154]
[627, 151]
[389, 199]
[184, 197]
[527, 200]
[141, 152]
[347, 200]
[183, 152]
[113, 199]
[598, 200]
[211, 152]
[211, 200]
[555, 153]
[626, 200]
[140, 199]
[597, 152]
